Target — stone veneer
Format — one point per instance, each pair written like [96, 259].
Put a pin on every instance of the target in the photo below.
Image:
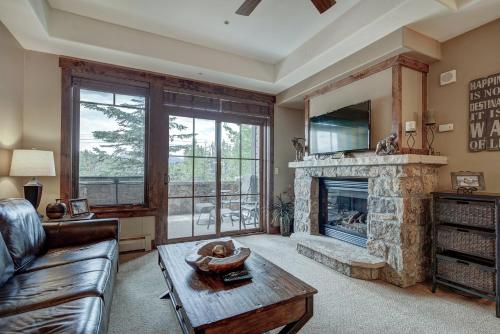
[399, 188]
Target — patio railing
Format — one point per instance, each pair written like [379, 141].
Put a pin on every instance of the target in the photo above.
[112, 190]
[130, 190]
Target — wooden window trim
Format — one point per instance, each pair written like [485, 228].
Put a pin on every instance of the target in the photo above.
[157, 159]
[96, 70]
[70, 142]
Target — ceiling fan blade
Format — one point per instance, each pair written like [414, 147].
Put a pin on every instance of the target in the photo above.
[247, 7]
[323, 5]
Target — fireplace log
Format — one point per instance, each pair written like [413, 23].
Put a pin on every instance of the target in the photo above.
[354, 217]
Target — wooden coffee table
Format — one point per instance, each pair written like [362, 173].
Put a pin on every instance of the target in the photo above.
[205, 304]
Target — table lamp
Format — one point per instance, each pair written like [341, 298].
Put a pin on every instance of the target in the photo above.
[32, 163]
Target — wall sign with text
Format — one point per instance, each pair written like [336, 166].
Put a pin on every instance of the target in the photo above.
[484, 114]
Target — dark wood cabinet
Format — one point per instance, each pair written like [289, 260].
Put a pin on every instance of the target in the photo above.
[465, 244]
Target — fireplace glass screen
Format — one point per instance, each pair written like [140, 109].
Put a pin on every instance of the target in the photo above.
[343, 211]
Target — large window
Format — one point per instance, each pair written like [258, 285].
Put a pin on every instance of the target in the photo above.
[195, 155]
[111, 160]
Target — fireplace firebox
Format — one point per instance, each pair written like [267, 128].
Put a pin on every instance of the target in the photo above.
[343, 209]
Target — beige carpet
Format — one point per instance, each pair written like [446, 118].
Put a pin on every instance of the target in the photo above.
[343, 304]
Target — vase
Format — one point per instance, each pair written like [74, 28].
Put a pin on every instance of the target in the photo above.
[56, 210]
[285, 227]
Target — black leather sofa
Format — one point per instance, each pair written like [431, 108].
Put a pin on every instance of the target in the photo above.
[55, 277]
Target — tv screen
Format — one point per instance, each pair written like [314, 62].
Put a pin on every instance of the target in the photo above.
[342, 130]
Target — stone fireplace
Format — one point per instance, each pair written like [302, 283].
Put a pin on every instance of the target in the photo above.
[397, 199]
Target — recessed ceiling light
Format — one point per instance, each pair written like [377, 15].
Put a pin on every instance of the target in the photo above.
[226, 22]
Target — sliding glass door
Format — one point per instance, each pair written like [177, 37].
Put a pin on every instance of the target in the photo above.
[240, 170]
[213, 178]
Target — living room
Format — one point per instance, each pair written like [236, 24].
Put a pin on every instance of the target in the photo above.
[247, 166]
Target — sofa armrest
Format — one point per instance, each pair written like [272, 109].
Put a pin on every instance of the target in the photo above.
[62, 234]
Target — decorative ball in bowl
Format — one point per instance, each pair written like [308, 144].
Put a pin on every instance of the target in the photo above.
[217, 256]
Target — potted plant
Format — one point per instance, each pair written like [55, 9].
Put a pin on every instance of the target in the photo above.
[282, 211]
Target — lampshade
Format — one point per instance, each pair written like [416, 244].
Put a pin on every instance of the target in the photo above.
[32, 163]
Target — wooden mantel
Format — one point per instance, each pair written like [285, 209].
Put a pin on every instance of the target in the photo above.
[396, 63]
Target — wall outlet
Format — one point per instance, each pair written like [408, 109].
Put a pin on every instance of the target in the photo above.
[446, 127]
[276, 171]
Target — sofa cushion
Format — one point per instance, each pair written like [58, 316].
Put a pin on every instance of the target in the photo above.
[82, 316]
[106, 249]
[52, 286]
[6, 264]
[22, 231]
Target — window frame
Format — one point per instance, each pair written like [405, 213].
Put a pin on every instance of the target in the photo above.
[115, 88]
[260, 124]
[157, 83]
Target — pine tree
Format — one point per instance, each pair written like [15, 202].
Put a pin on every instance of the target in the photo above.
[123, 150]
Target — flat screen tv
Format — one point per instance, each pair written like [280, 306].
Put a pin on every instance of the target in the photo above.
[343, 130]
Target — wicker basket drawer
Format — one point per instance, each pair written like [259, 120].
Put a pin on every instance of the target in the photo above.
[466, 241]
[472, 213]
[467, 273]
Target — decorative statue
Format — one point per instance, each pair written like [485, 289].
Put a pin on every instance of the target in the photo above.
[388, 146]
[298, 144]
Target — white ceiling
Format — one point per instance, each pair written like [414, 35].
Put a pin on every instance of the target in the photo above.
[280, 45]
[270, 33]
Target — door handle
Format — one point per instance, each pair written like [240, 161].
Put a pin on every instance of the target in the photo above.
[166, 179]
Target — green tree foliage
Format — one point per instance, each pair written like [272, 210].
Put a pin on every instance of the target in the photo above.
[123, 150]
[181, 168]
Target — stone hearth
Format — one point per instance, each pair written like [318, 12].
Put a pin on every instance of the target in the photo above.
[398, 221]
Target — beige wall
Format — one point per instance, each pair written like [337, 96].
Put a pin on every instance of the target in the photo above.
[30, 90]
[288, 123]
[474, 54]
[11, 107]
[42, 114]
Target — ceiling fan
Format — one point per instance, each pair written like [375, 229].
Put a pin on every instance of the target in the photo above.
[249, 5]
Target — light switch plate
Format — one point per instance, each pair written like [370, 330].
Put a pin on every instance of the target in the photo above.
[446, 127]
[276, 171]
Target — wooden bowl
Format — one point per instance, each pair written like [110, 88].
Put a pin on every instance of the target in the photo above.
[217, 256]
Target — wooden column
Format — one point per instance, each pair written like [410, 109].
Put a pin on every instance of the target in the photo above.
[306, 123]
[158, 160]
[424, 111]
[66, 175]
[397, 107]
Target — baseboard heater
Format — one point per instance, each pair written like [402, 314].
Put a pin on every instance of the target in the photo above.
[134, 243]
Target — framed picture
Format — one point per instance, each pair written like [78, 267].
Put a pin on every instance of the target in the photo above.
[467, 180]
[79, 206]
